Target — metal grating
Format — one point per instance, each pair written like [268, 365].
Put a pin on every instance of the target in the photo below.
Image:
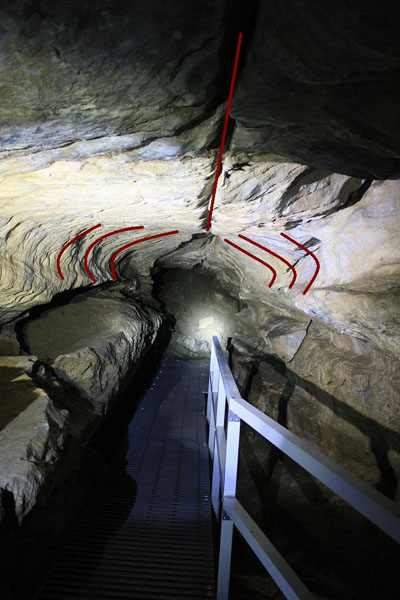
[147, 532]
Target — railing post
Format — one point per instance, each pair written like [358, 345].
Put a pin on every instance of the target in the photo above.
[214, 382]
[213, 359]
[219, 423]
[229, 489]
[224, 561]
[221, 404]
[232, 454]
[216, 482]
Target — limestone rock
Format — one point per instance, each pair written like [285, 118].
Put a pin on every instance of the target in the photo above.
[78, 72]
[17, 389]
[111, 115]
[320, 85]
[29, 444]
[94, 343]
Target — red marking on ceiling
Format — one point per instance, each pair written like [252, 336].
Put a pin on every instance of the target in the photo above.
[273, 254]
[99, 240]
[228, 108]
[69, 244]
[145, 239]
[255, 258]
[311, 254]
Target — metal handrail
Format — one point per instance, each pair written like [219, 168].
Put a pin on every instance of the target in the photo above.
[223, 443]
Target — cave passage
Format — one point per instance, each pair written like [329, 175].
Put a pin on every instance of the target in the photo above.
[111, 119]
[199, 307]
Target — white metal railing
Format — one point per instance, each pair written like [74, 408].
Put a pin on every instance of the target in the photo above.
[224, 438]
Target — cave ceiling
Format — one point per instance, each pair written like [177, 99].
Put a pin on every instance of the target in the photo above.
[111, 113]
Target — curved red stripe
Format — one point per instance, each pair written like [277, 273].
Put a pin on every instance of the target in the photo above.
[93, 244]
[273, 254]
[145, 239]
[69, 244]
[311, 254]
[255, 258]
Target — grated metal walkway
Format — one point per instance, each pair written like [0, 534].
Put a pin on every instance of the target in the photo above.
[147, 532]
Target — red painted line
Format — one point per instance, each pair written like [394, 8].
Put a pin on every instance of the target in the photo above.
[311, 254]
[255, 258]
[228, 108]
[63, 249]
[273, 254]
[93, 244]
[145, 239]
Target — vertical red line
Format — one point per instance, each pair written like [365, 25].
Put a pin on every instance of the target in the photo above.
[228, 108]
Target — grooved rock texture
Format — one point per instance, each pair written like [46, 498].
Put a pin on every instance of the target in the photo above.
[111, 114]
[132, 71]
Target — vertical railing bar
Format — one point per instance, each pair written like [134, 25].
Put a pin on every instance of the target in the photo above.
[224, 561]
[221, 404]
[214, 376]
[209, 398]
[211, 433]
[216, 481]
[232, 454]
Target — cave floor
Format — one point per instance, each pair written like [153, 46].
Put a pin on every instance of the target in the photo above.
[147, 529]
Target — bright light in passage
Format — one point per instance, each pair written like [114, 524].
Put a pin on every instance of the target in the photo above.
[210, 326]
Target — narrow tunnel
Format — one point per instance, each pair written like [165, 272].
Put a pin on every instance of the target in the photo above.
[157, 191]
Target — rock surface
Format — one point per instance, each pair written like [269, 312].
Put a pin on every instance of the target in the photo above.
[320, 85]
[17, 389]
[112, 115]
[30, 445]
[87, 351]
[94, 343]
[132, 72]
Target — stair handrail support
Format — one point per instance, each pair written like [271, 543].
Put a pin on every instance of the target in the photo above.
[224, 446]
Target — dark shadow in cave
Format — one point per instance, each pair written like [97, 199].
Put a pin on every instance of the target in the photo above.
[337, 555]
[229, 348]
[197, 306]
[255, 365]
[8, 525]
[47, 529]
[381, 438]
[106, 509]
[110, 432]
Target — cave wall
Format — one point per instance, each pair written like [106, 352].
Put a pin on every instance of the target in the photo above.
[80, 356]
[111, 115]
